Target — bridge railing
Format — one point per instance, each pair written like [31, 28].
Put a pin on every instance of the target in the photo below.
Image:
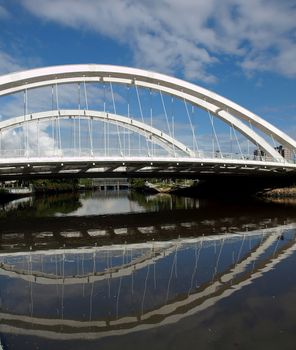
[133, 152]
[86, 152]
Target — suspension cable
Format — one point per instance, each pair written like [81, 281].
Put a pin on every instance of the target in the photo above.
[165, 113]
[194, 140]
[151, 120]
[38, 151]
[141, 113]
[25, 134]
[79, 120]
[166, 117]
[238, 144]
[274, 144]
[59, 123]
[27, 128]
[173, 122]
[53, 120]
[105, 123]
[248, 148]
[258, 147]
[117, 126]
[89, 121]
[124, 141]
[128, 115]
[231, 139]
[214, 131]
[74, 135]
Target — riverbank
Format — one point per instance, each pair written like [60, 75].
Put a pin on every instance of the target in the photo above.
[192, 188]
[189, 188]
[285, 192]
[170, 187]
[38, 187]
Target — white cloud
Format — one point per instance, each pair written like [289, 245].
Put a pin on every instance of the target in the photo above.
[189, 35]
[3, 12]
[13, 142]
[8, 63]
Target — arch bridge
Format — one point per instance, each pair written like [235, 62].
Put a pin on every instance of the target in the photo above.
[111, 121]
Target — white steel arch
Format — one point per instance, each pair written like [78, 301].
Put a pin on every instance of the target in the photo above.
[219, 106]
[147, 131]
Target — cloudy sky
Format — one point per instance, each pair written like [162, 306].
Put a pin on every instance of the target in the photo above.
[244, 50]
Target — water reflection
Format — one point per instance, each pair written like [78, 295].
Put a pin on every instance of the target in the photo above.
[41, 206]
[101, 291]
[146, 271]
[94, 203]
[53, 222]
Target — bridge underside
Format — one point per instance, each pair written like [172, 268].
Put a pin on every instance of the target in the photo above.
[216, 175]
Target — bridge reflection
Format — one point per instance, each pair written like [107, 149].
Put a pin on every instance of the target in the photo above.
[160, 222]
[116, 289]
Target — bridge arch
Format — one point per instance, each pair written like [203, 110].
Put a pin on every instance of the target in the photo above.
[155, 135]
[228, 111]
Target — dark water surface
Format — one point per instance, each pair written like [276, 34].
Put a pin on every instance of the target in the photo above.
[110, 270]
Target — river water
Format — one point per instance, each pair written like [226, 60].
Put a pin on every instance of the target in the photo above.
[110, 270]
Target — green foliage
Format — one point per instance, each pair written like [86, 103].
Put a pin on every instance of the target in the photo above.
[58, 185]
[138, 183]
[86, 182]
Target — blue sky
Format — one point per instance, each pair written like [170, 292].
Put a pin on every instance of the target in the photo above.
[244, 50]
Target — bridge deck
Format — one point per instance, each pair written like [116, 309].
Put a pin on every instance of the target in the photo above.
[124, 167]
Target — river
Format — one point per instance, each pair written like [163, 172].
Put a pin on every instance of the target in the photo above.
[118, 269]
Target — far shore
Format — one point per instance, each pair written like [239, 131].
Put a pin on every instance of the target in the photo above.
[186, 188]
[285, 192]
